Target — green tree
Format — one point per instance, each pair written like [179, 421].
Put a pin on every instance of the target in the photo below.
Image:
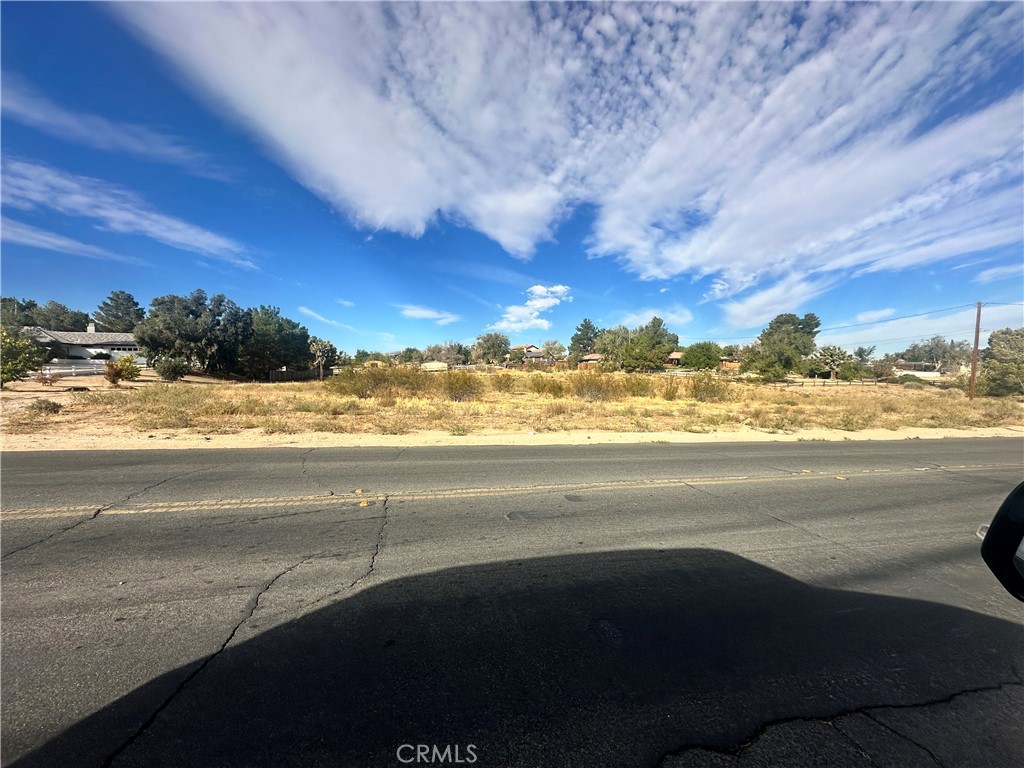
[324, 353]
[863, 354]
[649, 346]
[584, 341]
[704, 355]
[829, 359]
[410, 355]
[783, 345]
[451, 352]
[206, 333]
[118, 313]
[276, 342]
[17, 313]
[54, 316]
[1002, 367]
[491, 347]
[18, 356]
[611, 344]
[937, 351]
[552, 349]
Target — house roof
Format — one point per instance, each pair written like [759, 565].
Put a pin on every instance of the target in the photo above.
[83, 339]
[534, 355]
[591, 358]
[676, 356]
[526, 346]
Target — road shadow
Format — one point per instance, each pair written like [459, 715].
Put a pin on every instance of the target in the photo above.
[588, 660]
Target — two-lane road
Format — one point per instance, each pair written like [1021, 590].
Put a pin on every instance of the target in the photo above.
[805, 603]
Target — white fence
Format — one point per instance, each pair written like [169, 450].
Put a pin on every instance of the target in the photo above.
[80, 367]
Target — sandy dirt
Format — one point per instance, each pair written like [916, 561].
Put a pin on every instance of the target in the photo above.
[100, 437]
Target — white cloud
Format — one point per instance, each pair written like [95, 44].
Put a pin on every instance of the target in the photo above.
[23, 103]
[671, 315]
[22, 234]
[29, 186]
[540, 298]
[426, 313]
[999, 273]
[875, 314]
[705, 145]
[345, 302]
[787, 295]
[326, 320]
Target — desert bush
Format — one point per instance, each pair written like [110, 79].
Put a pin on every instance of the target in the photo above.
[171, 368]
[637, 386]
[377, 382]
[47, 407]
[595, 386]
[547, 385]
[124, 368]
[913, 385]
[503, 382]
[709, 388]
[671, 387]
[460, 386]
[47, 379]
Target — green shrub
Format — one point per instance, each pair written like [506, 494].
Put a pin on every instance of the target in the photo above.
[460, 386]
[122, 368]
[709, 388]
[171, 368]
[380, 382]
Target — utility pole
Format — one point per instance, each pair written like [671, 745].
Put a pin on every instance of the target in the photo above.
[974, 357]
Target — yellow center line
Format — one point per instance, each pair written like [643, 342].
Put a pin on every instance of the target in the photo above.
[360, 498]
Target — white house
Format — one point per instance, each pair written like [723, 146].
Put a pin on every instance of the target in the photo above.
[84, 346]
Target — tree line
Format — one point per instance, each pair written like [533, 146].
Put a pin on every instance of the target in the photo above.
[214, 335]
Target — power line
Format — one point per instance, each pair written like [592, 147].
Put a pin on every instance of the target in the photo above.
[890, 319]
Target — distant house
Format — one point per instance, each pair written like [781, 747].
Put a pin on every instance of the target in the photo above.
[527, 348]
[676, 359]
[591, 361]
[728, 364]
[434, 365]
[79, 345]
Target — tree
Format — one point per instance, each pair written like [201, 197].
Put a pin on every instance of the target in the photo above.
[705, 355]
[17, 313]
[783, 345]
[324, 353]
[491, 347]
[118, 313]
[863, 354]
[830, 359]
[611, 345]
[938, 352]
[1002, 367]
[410, 355]
[54, 316]
[584, 341]
[18, 356]
[552, 349]
[451, 352]
[649, 346]
[276, 342]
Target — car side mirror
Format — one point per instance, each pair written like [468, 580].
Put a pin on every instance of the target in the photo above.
[1003, 546]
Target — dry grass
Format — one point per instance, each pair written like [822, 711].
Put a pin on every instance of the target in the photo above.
[467, 403]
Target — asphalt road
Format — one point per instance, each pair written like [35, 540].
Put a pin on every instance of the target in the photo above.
[678, 605]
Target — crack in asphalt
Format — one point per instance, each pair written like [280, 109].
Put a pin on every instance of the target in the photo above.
[904, 736]
[829, 720]
[856, 744]
[253, 605]
[376, 550]
[101, 509]
[305, 473]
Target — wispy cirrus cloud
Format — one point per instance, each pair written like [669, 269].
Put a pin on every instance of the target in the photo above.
[30, 186]
[23, 234]
[326, 320]
[674, 316]
[25, 104]
[438, 316]
[875, 314]
[703, 144]
[999, 273]
[540, 299]
[345, 303]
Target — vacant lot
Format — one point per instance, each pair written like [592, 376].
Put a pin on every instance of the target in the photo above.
[402, 402]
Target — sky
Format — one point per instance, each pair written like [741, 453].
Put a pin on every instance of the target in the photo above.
[395, 175]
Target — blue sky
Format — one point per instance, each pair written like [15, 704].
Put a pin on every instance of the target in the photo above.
[399, 175]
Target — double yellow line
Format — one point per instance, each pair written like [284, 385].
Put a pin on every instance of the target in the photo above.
[359, 499]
